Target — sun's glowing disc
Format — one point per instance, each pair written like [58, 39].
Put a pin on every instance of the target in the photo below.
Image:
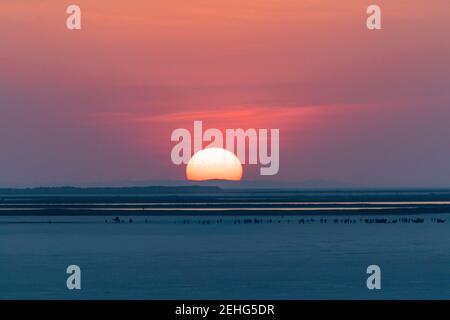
[214, 163]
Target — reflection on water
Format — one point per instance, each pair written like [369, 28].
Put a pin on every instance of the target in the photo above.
[262, 257]
[217, 209]
[287, 203]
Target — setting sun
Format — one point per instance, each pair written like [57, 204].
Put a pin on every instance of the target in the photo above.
[214, 163]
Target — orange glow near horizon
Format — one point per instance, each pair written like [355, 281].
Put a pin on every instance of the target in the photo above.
[214, 164]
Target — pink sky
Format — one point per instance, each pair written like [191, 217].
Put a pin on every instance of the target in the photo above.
[98, 105]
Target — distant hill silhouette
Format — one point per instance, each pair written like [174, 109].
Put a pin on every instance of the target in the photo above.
[111, 190]
[247, 184]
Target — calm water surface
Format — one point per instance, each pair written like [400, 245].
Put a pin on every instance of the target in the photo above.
[187, 258]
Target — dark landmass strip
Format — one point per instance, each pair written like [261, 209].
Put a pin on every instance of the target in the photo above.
[110, 190]
[209, 194]
[237, 212]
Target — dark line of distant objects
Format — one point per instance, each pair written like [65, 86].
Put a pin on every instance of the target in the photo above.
[198, 189]
[237, 212]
